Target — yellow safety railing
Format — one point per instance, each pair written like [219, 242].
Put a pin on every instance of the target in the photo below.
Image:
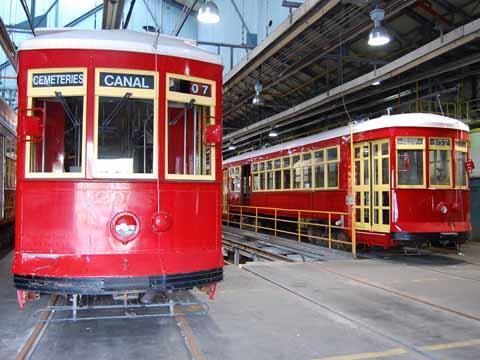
[450, 109]
[471, 109]
[328, 227]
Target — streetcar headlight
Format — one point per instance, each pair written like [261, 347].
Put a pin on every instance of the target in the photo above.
[125, 227]
[443, 209]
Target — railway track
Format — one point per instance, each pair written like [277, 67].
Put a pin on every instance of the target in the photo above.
[29, 346]
[46, 318]
[264, 250]
[262, 247]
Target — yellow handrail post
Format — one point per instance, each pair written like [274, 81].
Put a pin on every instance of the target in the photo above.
[352, 185]
[256, 219]
[275, 232]
[299, 229]
[241, 216]
[329, 230]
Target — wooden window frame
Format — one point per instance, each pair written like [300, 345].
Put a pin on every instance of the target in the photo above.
[462, 149]
[441, 147]
[101, 91]
[49, 92]
[185, 99]
[422, 147]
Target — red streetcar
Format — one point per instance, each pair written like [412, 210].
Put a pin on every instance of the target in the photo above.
[8, 135]
[119, 164]
[410, 178]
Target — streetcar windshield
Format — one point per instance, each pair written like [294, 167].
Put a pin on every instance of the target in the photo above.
[125, 136]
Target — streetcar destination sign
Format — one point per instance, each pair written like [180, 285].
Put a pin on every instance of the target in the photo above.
[40, 80]
[133, 81]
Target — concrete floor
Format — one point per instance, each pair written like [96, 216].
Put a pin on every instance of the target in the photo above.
[399, 308]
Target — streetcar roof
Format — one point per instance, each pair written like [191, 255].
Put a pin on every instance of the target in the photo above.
[400, 120]
[118, 40]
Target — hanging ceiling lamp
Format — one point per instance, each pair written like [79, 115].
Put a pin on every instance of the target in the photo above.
[208, 13]
[258, 98]
[378, 35]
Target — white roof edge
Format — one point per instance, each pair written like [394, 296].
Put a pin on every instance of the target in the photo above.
[400, 120]
[118, 40]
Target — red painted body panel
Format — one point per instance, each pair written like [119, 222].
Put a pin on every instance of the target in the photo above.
[411, 210]
[62, 227]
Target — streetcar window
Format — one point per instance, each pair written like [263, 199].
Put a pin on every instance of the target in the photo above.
[125, 136]
[319, 168]
[297, 172]
[325, 168]
[286, 173]
[460, 159]
[256, 177]
[60, 149]
[439, 162]
[187, 152]
[256, 182]
[332, 167]
[278, 179]
[460, 171]
[410, 167]
[410, 163]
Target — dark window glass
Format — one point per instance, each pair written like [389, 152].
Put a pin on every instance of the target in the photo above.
[286, 179]
[60, 148]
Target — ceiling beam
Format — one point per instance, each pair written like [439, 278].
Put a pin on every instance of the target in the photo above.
[287, 31]
[7, 45]
[454, 39]
[304, 62]
[129, 14]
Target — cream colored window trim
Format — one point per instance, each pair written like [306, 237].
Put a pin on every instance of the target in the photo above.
[49, 92]
[447, 148]
[148, 94]
[302, 166]
[422, 147]
[462, 148]
[199, 100]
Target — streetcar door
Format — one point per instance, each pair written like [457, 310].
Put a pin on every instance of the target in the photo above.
[245, 184]
[381, 185]
[362, 186]
[372, 185]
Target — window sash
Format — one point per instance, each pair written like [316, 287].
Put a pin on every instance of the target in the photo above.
[298, 171]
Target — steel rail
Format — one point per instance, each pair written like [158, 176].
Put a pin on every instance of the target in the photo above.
[235, 244]
[28, 347]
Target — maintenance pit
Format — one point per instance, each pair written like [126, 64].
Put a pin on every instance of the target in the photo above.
[402, 307]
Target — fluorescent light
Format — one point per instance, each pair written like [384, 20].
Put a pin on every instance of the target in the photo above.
[208, 13]
[231, 147]
[376, 83]
[272, 133]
